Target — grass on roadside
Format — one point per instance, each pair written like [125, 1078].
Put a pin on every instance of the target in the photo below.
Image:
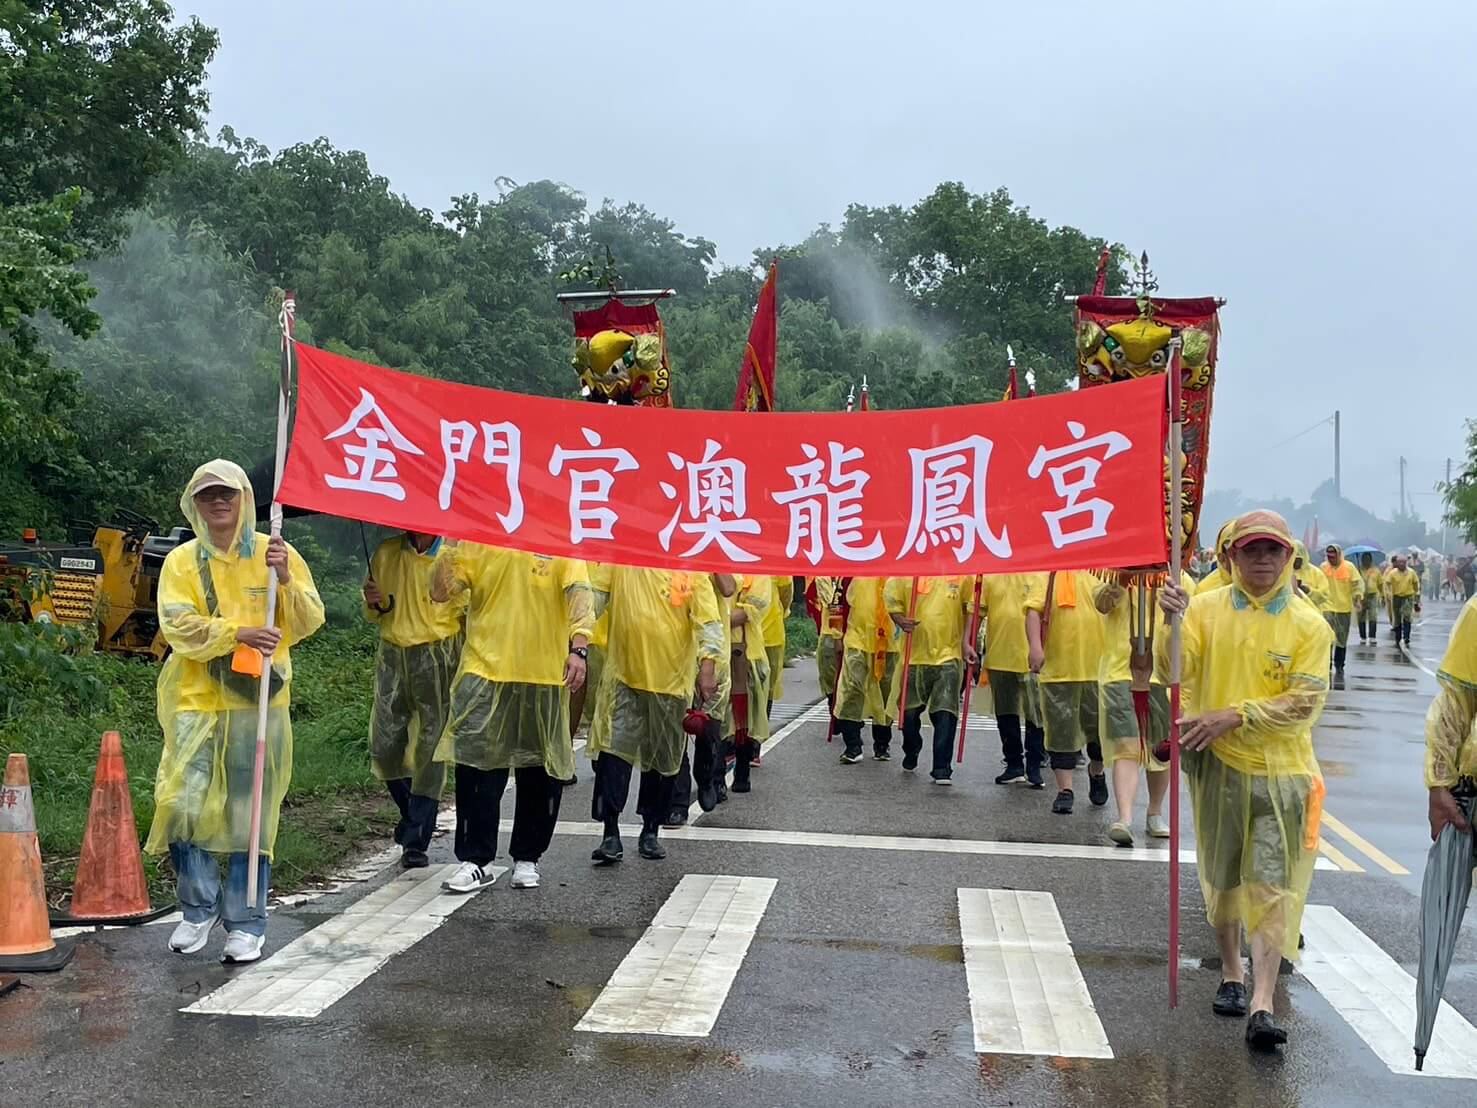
[54, 708]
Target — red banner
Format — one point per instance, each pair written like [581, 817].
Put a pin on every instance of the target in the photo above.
[1059, 482]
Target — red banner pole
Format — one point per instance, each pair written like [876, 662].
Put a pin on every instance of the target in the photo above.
[1176, 556]
[974, 640]
[840, 658]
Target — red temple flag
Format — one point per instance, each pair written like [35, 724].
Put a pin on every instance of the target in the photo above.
[756, 376]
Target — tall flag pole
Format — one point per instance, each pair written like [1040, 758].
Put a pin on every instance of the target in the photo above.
[1100, 281]
[1176, 561]
[286, 320]
[866, 404]
[756, 374]
[1013, 389]
[850, 397]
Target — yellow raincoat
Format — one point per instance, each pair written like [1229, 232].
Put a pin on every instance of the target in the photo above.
[1007, 655]
[937, 661]
[755, 598]
[509, 704]
[420, 646]
[1451, 722]
[1118, 724]
[202, 792]
[774, 633]
[1221, 575]
[663, 623]
[828, 642]
[869, 668]
[1314, 585]
[1257, 791]
[1073, 642]
[1345, 586]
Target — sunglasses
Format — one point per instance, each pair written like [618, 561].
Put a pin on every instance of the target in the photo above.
[217, 493]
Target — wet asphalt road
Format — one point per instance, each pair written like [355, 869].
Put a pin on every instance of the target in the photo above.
[853, 991]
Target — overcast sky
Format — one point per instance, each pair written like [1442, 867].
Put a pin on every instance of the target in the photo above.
[1313, 162]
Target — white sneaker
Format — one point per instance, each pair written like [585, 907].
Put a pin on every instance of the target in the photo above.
[943, 782]
[468, 878]
[1158, 827]
[189, 938]
[525, 875]
[242, 947]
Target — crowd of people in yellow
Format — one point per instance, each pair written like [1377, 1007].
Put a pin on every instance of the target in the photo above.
[490, 660]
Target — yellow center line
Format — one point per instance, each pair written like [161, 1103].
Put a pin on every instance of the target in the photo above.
[1359, 842]
[1338, 857]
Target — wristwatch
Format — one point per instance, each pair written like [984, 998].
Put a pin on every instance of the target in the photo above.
[580, 652]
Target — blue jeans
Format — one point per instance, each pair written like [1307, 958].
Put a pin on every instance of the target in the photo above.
[198, 883]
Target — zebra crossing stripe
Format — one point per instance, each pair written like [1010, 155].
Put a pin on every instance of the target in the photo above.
[676, 978]
[1026, 992]
[322, 966]
[1376, 998]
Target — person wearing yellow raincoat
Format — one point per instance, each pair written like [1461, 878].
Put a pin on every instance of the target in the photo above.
[1369, 601]
[774, 635]
[1404, 586]
[707, 768]
[665, 630]
[869, 671]
[529, 618]
[420, 646]
[1310, 583]
[1345, 590]
[829, 647]
[1255, 673]
[1007, 662]
[212, 610]
[1064, 632]
[1451, 725]
[939, 660]
[749, 672]
[1220, 576]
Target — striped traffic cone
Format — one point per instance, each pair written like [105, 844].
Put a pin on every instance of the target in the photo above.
[110, 886]
[26, 945]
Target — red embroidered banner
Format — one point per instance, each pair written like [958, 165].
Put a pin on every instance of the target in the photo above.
[1058, 482]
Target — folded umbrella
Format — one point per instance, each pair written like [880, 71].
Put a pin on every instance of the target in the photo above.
[1444, 891]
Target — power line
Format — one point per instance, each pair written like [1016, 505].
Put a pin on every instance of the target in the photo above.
[1324, 422]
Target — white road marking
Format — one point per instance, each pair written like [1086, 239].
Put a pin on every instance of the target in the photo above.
[910, 844]
[318, 968]
[1376, 998]
[1026, 993]
[676, 978]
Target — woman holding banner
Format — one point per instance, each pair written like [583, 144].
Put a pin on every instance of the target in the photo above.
[939, 660]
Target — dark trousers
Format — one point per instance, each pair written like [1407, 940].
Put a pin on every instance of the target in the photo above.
[479, 796]
[706, 764]
[1069, 760]
[417, 815]
[613, 787]
[1340, 653]
[943, 740]
[1018, 755]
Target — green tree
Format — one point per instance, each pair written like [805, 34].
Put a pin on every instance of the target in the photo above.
[1461, 494]
[97, 95]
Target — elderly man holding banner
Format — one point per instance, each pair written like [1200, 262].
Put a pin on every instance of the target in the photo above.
[1255, 670]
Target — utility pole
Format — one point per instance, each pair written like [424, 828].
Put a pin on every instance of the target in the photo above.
[1443, 508]
[1402, 485]
[1337, 482]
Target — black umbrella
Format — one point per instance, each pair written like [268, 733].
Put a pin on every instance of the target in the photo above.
[1444, 891]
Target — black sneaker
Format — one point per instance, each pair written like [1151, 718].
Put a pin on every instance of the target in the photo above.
[1062, 805]
[1033, 777]
[1097, 789]
[910, 763]
[650, 847]
[707, 797]
[1230, 999]
[850, 759]
[677, 817]
[1263, 1032]
[410, 858]
[720, 791]
[1011, 775]
[881, 756]
[610, 851]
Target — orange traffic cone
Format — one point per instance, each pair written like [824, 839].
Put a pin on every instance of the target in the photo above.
[25, 936]
[110, 886]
